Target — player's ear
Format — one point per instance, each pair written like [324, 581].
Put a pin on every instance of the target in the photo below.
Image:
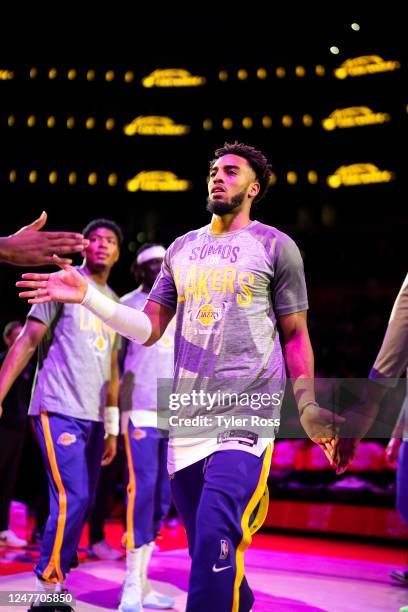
[254, 189]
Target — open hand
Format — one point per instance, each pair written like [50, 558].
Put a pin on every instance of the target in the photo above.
[67, 285]
[30, 247]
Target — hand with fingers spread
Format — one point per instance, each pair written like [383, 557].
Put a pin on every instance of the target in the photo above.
[67, 285]
[30, 247]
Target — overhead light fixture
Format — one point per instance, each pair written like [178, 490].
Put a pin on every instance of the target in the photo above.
[72, 178]
[92, 178]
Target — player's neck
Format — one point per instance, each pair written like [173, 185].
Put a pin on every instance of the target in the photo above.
[229, 223]
[99, 276]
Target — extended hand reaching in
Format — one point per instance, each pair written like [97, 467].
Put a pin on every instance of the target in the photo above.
[67, 285]
[30, 247]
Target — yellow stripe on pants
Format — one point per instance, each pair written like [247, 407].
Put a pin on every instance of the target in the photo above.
[55, 560]
[246, 531]
[131, 491]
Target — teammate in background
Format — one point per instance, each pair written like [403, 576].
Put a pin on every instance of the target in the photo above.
[149, 494]
[390, 363]
[30, 247]
[238, 290]
[75, 393]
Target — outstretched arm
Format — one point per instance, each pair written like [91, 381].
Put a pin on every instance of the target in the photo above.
[69, 286]
[20, 354]
[391, 361]
[30, 247]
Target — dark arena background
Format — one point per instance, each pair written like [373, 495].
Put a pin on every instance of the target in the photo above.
[84, 123]
[122, 123]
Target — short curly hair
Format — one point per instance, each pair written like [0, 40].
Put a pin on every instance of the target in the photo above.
[256, 159]
[106, 223]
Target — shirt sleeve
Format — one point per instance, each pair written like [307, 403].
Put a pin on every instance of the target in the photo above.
[164, 290]
[289, 293]
[46, 313]
[393, 356]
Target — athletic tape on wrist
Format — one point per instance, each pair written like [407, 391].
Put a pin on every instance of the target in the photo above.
[111, 420]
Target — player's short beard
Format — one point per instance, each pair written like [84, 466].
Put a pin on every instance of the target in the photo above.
[224, 208]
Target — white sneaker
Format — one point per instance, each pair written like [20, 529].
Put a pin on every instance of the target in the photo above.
[103, 550]
[9, 538]
[152, 599]
[158, 601]
[131, 595]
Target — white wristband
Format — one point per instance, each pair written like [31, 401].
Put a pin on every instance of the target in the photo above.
[129, 322]
[111, 420]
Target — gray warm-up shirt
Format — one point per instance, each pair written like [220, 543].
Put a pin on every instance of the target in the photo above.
[228, 290]
[74, 360]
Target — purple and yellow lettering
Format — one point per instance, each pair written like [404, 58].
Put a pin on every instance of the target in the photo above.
[190, 284]
[88, 321]
[177, 271]
[229, 272]
[216, 281]
[214, 249]
[203, 276]
[226, 251]
[194, 253]
[245, 278]
[176, 277]
[234, 255]
[203, 253]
